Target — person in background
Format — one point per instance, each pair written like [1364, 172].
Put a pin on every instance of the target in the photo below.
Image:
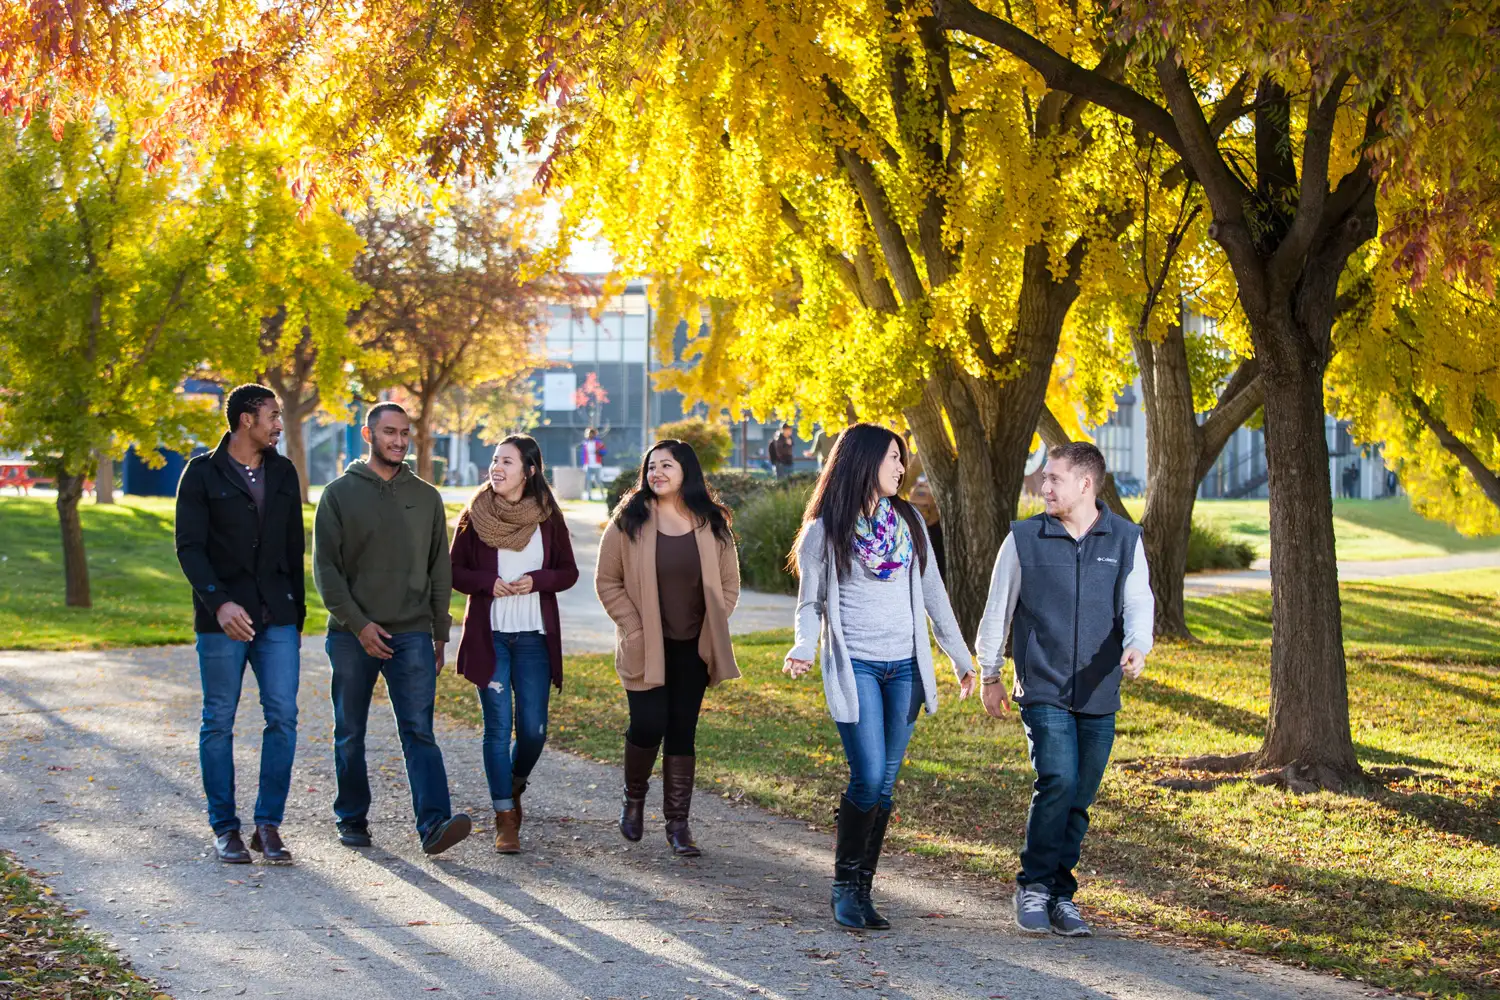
[512, 555]
[1072, 591]
[591, 452]
[669, 578]
[240, 543]
[380, 560]
[867, 590]
[822, 444]
[781, 452]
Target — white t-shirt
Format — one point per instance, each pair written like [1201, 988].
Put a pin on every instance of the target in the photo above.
[591, 454]
[523, 613]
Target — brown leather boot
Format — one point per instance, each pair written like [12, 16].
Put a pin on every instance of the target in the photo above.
[638, 764]
[508, 831]
[677, 799]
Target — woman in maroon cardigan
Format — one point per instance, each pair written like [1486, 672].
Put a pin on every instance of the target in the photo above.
[512, 556]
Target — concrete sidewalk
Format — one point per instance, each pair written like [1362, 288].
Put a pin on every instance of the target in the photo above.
[99, 776]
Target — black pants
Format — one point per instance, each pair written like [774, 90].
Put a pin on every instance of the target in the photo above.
[670, 713]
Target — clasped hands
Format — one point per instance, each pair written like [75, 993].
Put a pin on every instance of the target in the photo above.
[516, 588]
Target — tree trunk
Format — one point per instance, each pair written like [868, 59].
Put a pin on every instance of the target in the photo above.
[1174, 450]
[298, 402]
[1309, 716]
[75, 558]
[104, 479]
[422, 432]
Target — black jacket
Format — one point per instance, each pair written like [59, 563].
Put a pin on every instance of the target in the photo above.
[228, 553]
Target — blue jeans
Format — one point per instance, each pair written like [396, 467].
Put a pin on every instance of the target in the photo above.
[890, 696]
[593, 476]
[411, 682]
[1069, 753]
[516, 698]
[274, 655]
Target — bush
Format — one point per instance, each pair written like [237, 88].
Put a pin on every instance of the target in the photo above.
[737, 490]
[767, 528]
[710, 440]
[1209, 548]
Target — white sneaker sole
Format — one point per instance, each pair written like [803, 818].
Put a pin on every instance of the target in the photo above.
[1081, 932]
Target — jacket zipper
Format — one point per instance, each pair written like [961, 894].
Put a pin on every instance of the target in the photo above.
[1077, 597]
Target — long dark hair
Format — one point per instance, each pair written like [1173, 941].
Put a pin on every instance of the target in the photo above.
[536, 475]
[847, 486]
[634, 508]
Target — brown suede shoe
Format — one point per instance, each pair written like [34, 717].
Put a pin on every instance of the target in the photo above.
[508, 831]
[267, 840]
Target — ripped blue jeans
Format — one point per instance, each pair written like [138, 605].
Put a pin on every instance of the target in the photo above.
[515, 700]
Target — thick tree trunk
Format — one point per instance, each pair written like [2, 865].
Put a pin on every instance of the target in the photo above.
[1174, 450]
[104, 479]
[422, 435]
[75, 557]
[1309, 716]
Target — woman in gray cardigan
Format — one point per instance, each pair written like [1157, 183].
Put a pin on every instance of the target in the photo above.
[863, 559]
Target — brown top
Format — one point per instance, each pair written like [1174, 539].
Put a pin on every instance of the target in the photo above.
[626, 583]
[679, 583]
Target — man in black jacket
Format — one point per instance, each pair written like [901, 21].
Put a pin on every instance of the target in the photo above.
[240, 543]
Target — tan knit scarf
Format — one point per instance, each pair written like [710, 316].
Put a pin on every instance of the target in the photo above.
[501, 524]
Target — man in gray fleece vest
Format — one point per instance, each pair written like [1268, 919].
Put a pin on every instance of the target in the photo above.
[1071, 591]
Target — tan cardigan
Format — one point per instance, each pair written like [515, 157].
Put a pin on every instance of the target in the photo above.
[626, 584]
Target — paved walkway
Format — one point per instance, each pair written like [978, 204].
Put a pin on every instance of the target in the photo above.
[1258, 576]
[98, 773]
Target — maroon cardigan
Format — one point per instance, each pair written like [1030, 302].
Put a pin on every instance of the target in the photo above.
[475, 570]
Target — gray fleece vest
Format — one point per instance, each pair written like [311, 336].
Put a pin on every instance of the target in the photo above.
[1069, 627]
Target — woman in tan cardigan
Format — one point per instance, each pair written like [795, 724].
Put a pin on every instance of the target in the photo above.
[669, 577]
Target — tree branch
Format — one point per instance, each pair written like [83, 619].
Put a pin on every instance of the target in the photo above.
[1317, 143]
[1486, 477]
[1240, 398]
[888, 232]
[1058, 71]
[1198, 146]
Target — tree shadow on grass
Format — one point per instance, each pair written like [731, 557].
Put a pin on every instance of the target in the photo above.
[1229, 718]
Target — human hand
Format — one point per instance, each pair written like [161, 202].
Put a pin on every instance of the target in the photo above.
[966, 685]
[795, 668]
[439, 647]
[522, 586]
[501, 589]
[996, 702]
[236, 622]
[372, 637]
[1133, 662]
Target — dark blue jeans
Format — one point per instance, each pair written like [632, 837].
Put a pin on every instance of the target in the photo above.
[890, 696]
[516, 698]
[274, 655]
[411, 681]
[1069, 753]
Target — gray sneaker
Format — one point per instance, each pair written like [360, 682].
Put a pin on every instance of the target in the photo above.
[1031, 909]
[1066, 919]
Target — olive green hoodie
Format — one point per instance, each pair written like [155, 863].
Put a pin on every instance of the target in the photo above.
[380, 553]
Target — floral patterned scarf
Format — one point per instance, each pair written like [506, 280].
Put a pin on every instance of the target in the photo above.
[883, 542]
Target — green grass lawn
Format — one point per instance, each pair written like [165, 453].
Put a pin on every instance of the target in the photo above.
[140, 596]
[1364, 529]
[1399, 885]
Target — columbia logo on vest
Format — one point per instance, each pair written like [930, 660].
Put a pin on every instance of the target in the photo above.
[1108, 559]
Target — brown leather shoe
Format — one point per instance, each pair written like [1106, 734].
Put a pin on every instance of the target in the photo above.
[677, 799]
[508, 831]
[638, 764]
[267, 840]
[231, 849]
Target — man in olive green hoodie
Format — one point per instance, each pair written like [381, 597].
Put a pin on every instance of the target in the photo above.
[380, 560]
